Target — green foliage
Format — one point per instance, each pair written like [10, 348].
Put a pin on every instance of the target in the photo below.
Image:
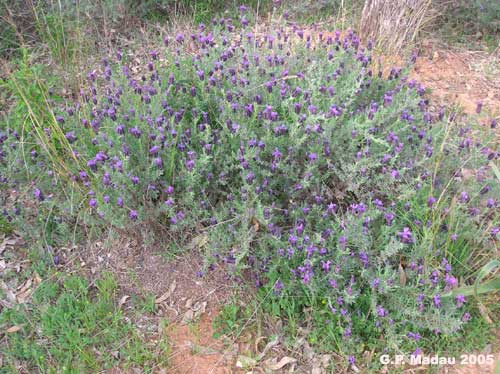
[235, 317]
[344, 12]
[465, 20]
[5, 226]
[73, 326]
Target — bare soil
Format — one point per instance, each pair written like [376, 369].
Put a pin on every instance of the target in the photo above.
[461, 77]
[186, 303]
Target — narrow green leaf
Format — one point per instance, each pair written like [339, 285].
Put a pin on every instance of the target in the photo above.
[478, 287]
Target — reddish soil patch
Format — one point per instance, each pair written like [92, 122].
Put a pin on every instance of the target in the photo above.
[461, 77]
[187, 304]
[194, 350]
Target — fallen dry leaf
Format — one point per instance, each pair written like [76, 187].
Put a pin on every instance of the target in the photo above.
[11, 297]
[283, 362]
[24, 292]
[13, 329]
[123, 300]
[268, 346]
[188, 317]
[23, 297]
[167, 294]
[245, 362]
[201, 349]
[7, 242]
[26, 286]
[198, 241]
[484, 313]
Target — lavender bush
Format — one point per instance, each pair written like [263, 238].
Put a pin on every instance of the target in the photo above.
[337, 186]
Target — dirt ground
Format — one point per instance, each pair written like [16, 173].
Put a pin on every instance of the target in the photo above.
[186, 304]
[463, 78]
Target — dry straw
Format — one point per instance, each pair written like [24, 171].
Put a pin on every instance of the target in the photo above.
[395, 22]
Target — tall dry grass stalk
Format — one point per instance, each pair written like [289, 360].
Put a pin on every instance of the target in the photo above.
[392, 23]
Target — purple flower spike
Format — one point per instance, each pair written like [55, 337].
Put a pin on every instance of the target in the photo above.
[494, 232]
[312, 157]
[406, 236]
[38, 194]
[464, 197]
[479, 107]
[250, 177]
[436, 300]
[133, 215]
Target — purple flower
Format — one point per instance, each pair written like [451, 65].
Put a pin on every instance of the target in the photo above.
[154, 150]
[406, 236]
[460, 300]
[70, 136]
[38, 194]
[189, 165]
[250, 177]
[276, 154]
[312, 157]
[135, 131]
[436, 300]
[450, 281]
[494, 232]
[92, 164]
[414, 335]
[464, 197]
[120, 129]
[92, 203]
[325, 265]
[479, 107]
[381, 312]
[395, 174]
[389, 217]
[278, 286]
[335, 111]
[133, 215]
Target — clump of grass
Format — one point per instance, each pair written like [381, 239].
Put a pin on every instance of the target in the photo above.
[5, 226]
[465, 22]
[72, 325]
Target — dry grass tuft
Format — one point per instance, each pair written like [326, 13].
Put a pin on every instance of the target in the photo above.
[393, 23]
